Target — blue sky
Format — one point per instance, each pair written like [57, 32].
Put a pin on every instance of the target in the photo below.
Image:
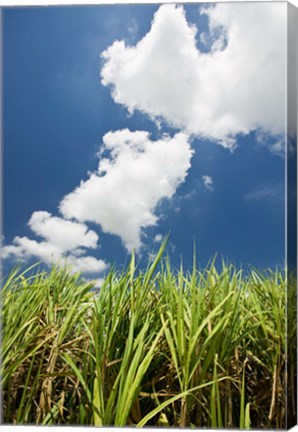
[205, 102]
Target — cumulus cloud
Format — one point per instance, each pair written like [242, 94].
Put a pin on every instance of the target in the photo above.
[64, 234]
[123, 194]
[62, 241]
[86, 264]
[23, 247]
[236, 87]
[208, 182]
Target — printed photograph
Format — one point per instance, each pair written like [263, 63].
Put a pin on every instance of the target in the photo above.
[144, 256]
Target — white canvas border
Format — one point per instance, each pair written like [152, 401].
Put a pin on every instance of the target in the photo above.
[98, 2]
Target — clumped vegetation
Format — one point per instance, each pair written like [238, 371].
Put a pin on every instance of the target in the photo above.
[150, 348]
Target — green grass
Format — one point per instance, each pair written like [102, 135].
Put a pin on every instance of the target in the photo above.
[150, 348]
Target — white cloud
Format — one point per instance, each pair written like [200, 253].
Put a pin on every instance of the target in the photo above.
[123, 195]
[86, 264]
[23, 247]
[62, 242]
[98, 283]
[158, 238]
[237, 87]
[208, 182]
[66, 235]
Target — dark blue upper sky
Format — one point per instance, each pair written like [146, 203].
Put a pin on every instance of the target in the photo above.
[56, 112]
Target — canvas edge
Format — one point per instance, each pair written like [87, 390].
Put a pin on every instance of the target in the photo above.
[291, 216]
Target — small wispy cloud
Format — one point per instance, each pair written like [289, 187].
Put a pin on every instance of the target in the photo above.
[189, 195]
[133, 28]
[208, 182]
[277, 148]
[273, 193]
[158, 238]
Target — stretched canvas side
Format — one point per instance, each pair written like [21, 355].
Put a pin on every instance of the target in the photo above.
[291, 215]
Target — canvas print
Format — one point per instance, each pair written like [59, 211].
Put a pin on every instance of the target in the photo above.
[149, 215]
